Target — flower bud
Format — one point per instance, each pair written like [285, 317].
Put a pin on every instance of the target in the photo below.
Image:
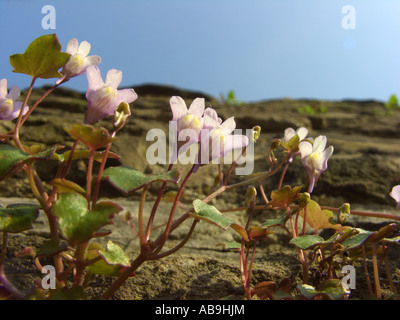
[250, 195]
[122, 112]
[256, 133]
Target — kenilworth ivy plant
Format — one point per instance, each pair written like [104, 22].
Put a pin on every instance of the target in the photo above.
[76, 213]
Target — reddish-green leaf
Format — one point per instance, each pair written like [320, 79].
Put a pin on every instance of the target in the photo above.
[284, 196]
[93, 138]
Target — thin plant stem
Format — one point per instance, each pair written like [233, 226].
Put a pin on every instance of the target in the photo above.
[179, 246]
[283, 175]
[389, 276]
[155, 207]
[143, 242]
[19, 119]
[101, 170]
[80, 263]
[89, 177]
[163, 238]
[69, 161]
[376, 273]
[366, 271]
[32, 108]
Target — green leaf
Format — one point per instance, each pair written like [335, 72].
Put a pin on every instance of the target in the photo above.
[112, 262]
[42, 59]
[13, 159]
[18, 217]
[84, 154]
[231, 245]
[67, 186]
[276, 222]
[307, 241]
[212, 215]
[331, 289]
[50, 248]
[356, 240]
[93, 138]
[128, 180]
[77, 223]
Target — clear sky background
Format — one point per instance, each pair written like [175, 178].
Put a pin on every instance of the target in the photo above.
[261, 49]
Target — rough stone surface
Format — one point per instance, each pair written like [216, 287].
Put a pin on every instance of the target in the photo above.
[363, 169]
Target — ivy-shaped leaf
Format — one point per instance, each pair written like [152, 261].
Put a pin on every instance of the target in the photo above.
[318, 218]
[42, 58]
[128, 180]
[307, 241]
[93, 138]
[113, 259]
[212, 215]
[284, 196]
[51, 247]
[269, 223]
[67, 186]
[13, 159]
[77, 223]
[18, 217]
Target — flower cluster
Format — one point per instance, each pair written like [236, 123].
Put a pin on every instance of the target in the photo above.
[103, 97]
[203, 126]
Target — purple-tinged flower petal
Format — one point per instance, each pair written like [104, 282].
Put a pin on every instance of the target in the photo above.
[395, 194]
[197, 107]
[228, 125]
[315, 158]
[91, 61]
[14, 93]
[178, 108]
[9, 107]
[114, 78]
[104, 98]
[3, 88]
[94, 78]
[79, 62]
[72, 46]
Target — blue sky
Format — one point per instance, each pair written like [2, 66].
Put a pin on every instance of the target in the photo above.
[261, 49]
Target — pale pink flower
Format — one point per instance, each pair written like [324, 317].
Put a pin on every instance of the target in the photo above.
[395, 194]
[315, 157]
[79, 60]
[104, 97]
[186, 123]
[9, 106]
[216, 138]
